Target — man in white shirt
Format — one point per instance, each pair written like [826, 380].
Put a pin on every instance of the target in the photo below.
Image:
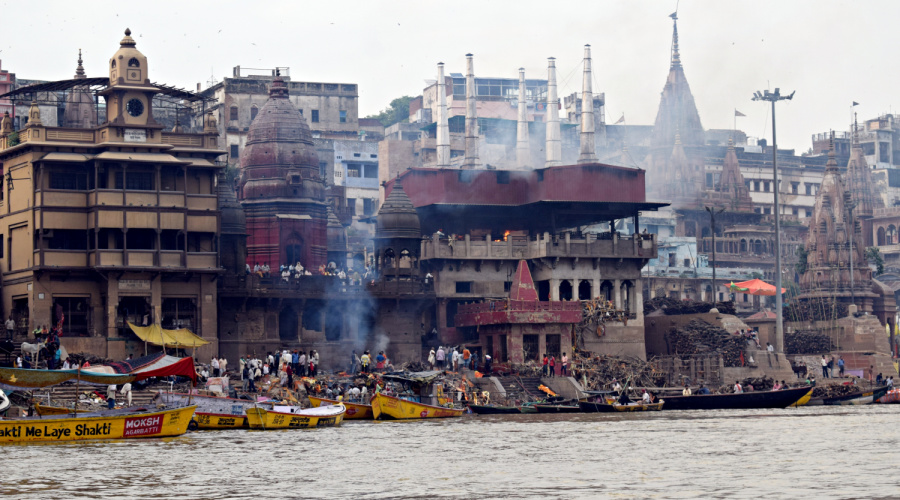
[222, 364]
[645, 397]
[214, 364]
[737, 388]
[770, 347]
[111, 396]
[10, 327]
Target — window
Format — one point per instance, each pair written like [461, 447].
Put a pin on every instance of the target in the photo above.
[233, 113]
[373, 156]
[507, 286]
[766, 186]
[809, 188]
[134, 63]
[65, 239]
[137, 181]
[756, 186]
[795, 211]
[234, 150]
[351, 206]
[767, 210]
[809, 213]
[253, 112]
[370, 172]
[795, 187]
[343, 117]
[354, 170]
[463, 287]
[315, 116]
[323, 167]
[301, 111]
[68, 180]
[75, 312]
[356, 155]
[369, 206]
[540, 175]
[502, 177]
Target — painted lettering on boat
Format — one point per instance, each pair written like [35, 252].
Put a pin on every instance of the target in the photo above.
[143, 426]
[299, 422]
[226, 421]
[326, 422]
[93, 429]
[351, 411]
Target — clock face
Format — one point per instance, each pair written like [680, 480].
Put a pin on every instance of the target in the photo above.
[134, 107]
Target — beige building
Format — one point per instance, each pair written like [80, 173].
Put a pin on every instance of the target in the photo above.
[114, 223]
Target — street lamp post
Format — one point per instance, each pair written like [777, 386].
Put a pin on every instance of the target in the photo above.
[774, 97]
[712, 222]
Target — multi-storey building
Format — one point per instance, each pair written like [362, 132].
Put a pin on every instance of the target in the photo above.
[114, 223]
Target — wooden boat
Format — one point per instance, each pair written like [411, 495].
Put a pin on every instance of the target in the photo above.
[745, 400]
[639, 407]
[557, 408]
[595, 407]
[892, 396]
[355, 411]
[494, 410]
[213, 412]
[857, 398]
[294, 417]
[393, 408]
[47, 411]
[114, 424]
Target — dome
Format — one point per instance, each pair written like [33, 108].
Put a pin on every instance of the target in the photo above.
[233, 221]
[280, 160]
[128, 65]
[397, 217]
[337, 236]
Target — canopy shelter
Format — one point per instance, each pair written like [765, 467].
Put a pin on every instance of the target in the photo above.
[155, 365]
[754, 287]
[156, 335]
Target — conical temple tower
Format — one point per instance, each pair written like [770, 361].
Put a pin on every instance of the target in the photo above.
[863, 191]
[831, 230]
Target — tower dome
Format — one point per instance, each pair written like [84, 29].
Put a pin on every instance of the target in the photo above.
[397, 217]
[128, 65]
[280, 159]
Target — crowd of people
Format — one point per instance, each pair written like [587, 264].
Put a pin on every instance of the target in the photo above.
[291, 272]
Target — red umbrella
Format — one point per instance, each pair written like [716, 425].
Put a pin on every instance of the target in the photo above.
[755, 287]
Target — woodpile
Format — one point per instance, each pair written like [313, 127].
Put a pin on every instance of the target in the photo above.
[822, 309]
[833, 391]
[600, 372]
[700, 337]
[670, 306]
[807, 342]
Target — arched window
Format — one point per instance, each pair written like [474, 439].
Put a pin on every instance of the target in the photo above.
[134, 63]
[233, 113]
[405, 259]
[743, 245]
[881, 236]
[606, 290]
[565, 290]
[626, 291]
[113, 63]
[891, 235]
[584, 290]
[253, 112]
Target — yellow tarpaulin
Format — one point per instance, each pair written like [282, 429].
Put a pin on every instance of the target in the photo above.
[156, 335]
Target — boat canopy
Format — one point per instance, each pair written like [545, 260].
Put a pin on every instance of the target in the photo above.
[157, 365]
[157, 335]
[420, 377]
[754, 287]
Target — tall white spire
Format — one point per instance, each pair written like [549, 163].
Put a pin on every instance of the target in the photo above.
[471, 160]
[587, 113]
[443, 128]
[523, 148]
[554, 145]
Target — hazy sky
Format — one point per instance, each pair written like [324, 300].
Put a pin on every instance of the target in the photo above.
[831, 52]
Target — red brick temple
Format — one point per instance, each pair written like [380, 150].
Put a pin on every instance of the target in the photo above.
[521, 327]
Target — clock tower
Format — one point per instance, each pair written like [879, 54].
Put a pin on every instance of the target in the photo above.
[129, 95]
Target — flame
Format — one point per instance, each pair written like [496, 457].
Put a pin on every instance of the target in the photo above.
[505, 234]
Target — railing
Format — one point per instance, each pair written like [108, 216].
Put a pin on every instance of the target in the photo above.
[518, 305]
[204, 260]
[633, 246]
[176, 139]
[319, 284]
[202, 201]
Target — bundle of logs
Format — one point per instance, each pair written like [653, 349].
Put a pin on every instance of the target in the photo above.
[821, 309]
[700, 337]
[807, 342]
[594, 315]
[600, 372]
[670, 306]
[833, 391]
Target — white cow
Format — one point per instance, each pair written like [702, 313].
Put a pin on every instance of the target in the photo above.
[34, 351]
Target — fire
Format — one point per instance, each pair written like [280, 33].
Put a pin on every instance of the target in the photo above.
[505, 234]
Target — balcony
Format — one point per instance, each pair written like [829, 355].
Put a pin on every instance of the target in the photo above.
[201, 260]
[629, 246]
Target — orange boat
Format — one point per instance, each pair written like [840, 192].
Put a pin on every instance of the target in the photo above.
[393, 408]
[355, 411]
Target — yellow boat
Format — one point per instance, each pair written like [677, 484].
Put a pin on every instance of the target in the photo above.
[392, 408]
[355, 411]
[805, 399]
[46, 411]
[115, 424]
[294, 417]
[213, 412]
[639, 407]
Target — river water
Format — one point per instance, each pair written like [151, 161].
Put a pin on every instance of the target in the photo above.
[814, 452]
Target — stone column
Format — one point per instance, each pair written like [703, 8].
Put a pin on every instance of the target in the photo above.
[554, 289]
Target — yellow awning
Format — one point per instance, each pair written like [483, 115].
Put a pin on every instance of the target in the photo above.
[156, 335]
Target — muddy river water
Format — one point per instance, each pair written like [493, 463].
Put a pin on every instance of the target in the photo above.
[821, 452]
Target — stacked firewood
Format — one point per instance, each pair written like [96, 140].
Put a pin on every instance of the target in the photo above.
[700, 337]
[672, 306]
[833, 391]
[807, 342]
[821, 309]
[600, 372]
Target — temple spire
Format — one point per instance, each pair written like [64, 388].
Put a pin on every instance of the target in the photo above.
[832, 165]
[79, 71]
[676, 57]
